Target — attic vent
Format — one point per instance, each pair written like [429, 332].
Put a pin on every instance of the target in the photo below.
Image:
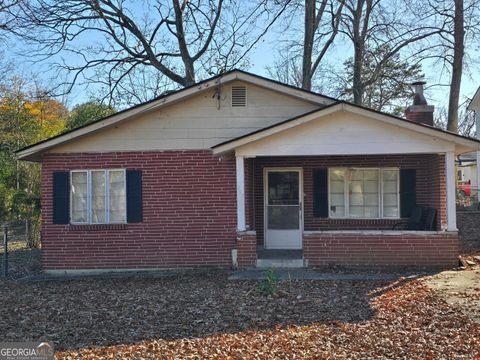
[239, 96]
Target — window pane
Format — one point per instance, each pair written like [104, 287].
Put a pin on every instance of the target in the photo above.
[98, 197]
[79, 197]
[283, 188]
[337, 193]
[283, 217]
[390, 193]
[117, 197]
[364, 193]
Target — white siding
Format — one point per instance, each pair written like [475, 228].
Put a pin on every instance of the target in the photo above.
[196, 123]
[344, 133]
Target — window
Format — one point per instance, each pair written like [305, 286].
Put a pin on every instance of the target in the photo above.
[239, 96]
[98, 196]
[364, 193]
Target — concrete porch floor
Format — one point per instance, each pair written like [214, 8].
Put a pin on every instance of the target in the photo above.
[279, 258]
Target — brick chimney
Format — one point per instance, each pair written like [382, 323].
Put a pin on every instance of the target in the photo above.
[419, 111]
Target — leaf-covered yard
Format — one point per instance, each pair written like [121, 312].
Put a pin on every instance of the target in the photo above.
[207, 316]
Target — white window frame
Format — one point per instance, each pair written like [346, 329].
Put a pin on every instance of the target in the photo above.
[89, 196]
[347, 193]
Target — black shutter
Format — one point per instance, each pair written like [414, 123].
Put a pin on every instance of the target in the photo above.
[320, 193]
[61, 197]
[408, 192]
[134, 196]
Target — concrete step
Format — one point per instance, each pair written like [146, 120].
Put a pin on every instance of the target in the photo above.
[280, 263]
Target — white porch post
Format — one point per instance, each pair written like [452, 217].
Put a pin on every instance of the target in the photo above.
[240, 193]
[450, 191]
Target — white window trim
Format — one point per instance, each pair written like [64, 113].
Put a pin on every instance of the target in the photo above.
[347, 197]
[89, 197]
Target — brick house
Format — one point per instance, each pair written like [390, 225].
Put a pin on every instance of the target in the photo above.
[239, 169]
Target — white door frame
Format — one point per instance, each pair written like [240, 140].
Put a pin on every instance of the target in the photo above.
[266, 170]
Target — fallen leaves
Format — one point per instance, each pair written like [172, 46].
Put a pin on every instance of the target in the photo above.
[206, 316]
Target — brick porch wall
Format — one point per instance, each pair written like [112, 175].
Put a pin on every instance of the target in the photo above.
[430, 186]
[246, 249]
[189, 207]
[415, 249]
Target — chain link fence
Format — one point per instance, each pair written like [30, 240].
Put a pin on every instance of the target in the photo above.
[19, 251]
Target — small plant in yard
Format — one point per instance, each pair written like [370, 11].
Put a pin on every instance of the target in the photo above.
[267, 286]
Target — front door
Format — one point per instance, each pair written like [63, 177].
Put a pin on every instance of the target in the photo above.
[283, 208]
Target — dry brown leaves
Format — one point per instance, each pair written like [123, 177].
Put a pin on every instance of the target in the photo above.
[410, 322]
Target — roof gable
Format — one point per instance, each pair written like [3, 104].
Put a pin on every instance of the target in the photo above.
[31, 152]
[426, 138]
[475, 102]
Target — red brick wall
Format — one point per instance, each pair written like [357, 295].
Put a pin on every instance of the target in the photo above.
[246, 249]
[432, 250]
[189, 214]
[430, 186]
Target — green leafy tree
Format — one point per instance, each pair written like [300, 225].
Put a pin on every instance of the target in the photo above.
[388, 88]
[87, 112]
[25, 118]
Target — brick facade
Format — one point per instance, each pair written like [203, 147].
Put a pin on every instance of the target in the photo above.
[430, 187]
[381, 249]
[189, 214]
[246, 249]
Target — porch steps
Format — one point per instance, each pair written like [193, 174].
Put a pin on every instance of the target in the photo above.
[279, 263]
[288, 259]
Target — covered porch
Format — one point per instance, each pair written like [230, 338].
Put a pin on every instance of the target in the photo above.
[336, 186]
[344, 210]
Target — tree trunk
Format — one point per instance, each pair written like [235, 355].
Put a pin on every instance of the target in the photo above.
[358, 88]
[308, 44]
[457, 67]
[358, 47]
[189, 72]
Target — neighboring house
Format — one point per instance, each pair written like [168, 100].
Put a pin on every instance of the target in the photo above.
[467, 174]
[472, 173]
[214, 174]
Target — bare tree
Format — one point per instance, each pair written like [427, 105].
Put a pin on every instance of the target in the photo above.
[8, 15]
[457, 66]
[175, 37]
[458, 24]
[379, 23]
[287, 69]
[305, 44]
[319, 34]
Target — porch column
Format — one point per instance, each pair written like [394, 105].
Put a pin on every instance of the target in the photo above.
[240, 193]
[450, 191]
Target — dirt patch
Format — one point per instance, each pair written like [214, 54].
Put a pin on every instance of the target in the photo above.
[461, 289]
[22, 260]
